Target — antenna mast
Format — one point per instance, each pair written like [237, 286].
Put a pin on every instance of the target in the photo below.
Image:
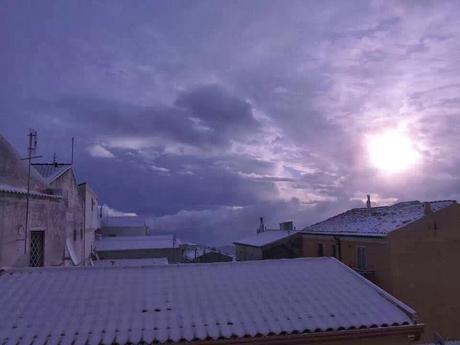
[31, 150]
[71, 161]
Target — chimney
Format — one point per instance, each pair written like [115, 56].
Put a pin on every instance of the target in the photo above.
[427, 208]
[261, 226]
[368, 204]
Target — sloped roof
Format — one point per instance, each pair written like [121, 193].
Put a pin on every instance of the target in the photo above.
[4, 188]
[136, 242]
[377, 221]
[14, 171]
[190, 302]
[51, 171]
[265, 238]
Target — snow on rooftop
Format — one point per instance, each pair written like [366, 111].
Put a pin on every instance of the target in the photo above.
[264, 238]
[377, 221]
[130, 262]
[190, 302]
[51, 171]
[23, 191]
[136, 242]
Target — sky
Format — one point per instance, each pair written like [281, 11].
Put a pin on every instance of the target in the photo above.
[203, 116]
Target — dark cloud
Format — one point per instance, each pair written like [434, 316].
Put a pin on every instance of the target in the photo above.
[206, 115]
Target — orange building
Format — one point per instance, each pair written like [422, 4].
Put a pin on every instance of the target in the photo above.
[410, 249]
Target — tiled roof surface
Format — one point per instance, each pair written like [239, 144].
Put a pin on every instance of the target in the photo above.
[377, 221]
[136, 242]
[264, 238]
[51, 171]
[130, 262]
[190, 302]
[23, 191]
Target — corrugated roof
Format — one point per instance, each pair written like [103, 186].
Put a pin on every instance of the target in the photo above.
[266, 237]
[377, 221]
[136, 242]
[190, 302]
[51, 171]
[23, 191]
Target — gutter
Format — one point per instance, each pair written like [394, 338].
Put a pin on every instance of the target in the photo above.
[412, 332]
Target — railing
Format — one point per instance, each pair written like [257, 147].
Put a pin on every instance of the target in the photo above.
[366, 273]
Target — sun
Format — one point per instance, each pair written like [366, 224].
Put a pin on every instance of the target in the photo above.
[392, 151]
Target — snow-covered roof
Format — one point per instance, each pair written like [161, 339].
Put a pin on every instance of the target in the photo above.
[131, 262]
[376, 221]
[107, 305]
[136, 242]
[264, 238]
[51, 171]
[4, 188]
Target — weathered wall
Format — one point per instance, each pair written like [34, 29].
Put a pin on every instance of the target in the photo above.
[74, 227]
[425, 258]
[45, 214]
[174, 255]
[91, 218]
[245, 253]
[378, 268]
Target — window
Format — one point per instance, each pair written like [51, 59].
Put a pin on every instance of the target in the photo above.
[92, 204]
[74, 234]
[362, 258]
[37, 246]
[320, 249]
[334, 250]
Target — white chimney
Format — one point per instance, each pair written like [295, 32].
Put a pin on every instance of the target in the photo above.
[368, 204]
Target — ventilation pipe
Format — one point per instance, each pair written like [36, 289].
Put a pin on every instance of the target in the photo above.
[368, 203]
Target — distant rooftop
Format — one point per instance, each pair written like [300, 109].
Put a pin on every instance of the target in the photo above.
[266, 237]
[376, 221]
[123, 221]
[136, 242]
[192, 302]
[51, 171]
[130, 262]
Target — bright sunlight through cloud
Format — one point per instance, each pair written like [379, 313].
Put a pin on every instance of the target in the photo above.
[392, 151]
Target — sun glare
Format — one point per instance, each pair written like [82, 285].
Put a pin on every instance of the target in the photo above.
[392, 151]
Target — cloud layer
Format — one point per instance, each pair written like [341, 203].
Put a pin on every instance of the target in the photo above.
[204, 116]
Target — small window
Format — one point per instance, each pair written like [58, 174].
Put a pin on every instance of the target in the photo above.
[320, 249]
[362, 258]
[74, 234]
[92, 204]
[334, 250]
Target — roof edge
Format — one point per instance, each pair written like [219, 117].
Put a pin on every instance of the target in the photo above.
[399, 304]
[320, 337]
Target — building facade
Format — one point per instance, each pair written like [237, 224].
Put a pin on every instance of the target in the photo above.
[61, 178]
[411, 250]
[91, 219]
[31, 224]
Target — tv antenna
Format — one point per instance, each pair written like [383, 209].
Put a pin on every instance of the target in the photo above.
[31, 149]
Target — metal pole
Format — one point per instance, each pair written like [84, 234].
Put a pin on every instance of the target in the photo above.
[29, 158]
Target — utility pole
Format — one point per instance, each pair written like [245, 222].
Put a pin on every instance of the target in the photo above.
[31, 149]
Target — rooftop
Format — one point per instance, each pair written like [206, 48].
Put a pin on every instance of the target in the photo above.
[136, 242]
[376, 221]
[190, 302]
[265, 237]
[130, 262]
[4, 188]
[51, 171]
